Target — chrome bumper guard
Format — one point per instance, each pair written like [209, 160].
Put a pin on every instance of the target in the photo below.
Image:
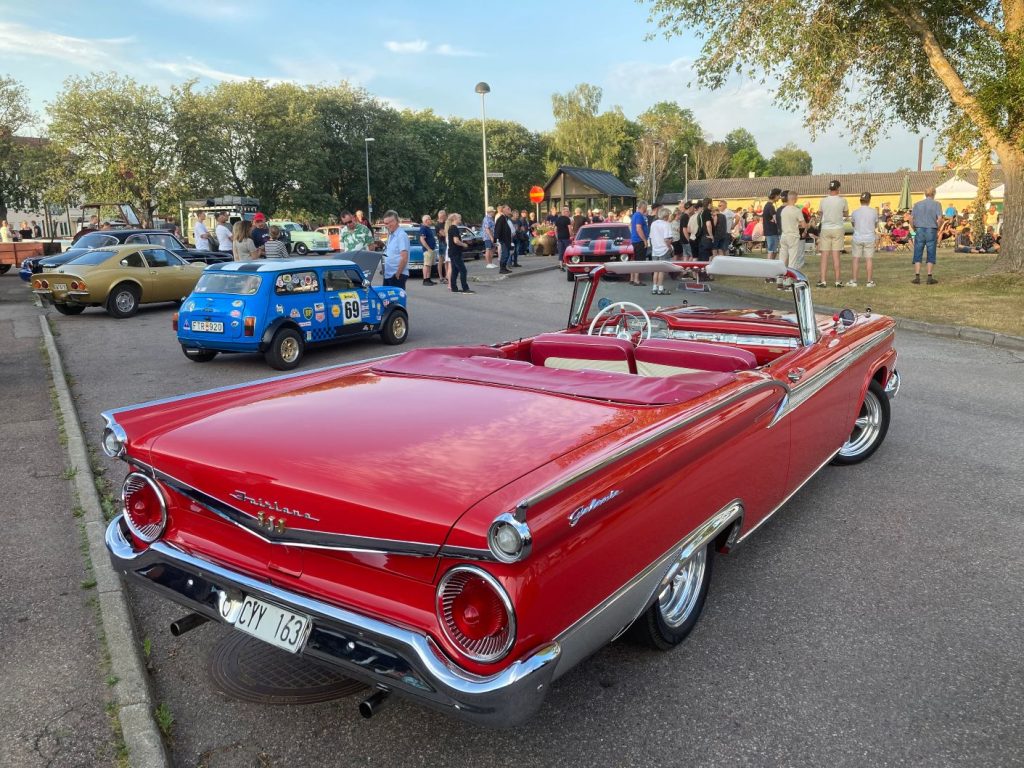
[892, 385]
[382, 655]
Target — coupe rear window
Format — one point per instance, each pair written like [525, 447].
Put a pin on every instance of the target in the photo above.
[92, 257]
[95, 240]
[231, 283]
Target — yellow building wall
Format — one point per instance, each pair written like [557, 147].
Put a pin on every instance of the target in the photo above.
[852, 201]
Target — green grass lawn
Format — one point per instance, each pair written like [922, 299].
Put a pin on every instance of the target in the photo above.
[963, 295]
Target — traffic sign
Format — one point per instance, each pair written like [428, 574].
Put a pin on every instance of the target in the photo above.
[536, 194]
[495, 175]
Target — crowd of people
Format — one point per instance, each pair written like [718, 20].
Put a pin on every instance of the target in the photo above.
[26, 231]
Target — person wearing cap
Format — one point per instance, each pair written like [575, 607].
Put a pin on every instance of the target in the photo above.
[833, 210]
[260, 234]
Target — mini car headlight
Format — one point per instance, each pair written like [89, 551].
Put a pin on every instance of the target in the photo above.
[113, 442]
[509, 539]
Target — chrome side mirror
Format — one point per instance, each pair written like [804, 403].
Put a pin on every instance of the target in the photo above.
[847, 317]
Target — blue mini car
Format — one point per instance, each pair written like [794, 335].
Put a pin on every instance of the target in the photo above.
[280, 306]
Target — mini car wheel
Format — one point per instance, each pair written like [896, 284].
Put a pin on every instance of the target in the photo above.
[301, 248]
[199, 355]
[395, 329]
[69, 309]
[285, 350]
[123, 300]
[869, 429]
[679, 603]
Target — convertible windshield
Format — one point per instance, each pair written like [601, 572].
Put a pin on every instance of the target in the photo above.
[92, 257]
[231, 283]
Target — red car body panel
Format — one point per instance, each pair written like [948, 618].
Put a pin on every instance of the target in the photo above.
[606, 487]
[589, 248]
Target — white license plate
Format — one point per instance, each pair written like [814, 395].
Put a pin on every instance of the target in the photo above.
[273, 624]
[206, 326]
[60, 286]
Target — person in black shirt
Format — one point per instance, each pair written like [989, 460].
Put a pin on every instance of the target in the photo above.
[706, 231]
[563, 231]
[684, 223]
[770, 225]
[455, 250]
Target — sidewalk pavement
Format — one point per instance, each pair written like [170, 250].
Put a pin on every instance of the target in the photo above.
[53, 665]
[531, 265]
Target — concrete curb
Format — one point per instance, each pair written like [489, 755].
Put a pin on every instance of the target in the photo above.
[141, 735]
[964, 332]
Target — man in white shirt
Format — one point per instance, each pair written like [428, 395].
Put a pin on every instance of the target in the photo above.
[833, 212]
[201, 235]
[865, 220]
[661, 248]
[791, 225]
[223, 233]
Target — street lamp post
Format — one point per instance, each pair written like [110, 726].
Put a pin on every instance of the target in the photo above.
[369, 198]
[483, 89]
[686, 177]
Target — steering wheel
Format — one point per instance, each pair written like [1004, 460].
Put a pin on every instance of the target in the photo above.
[621, 333]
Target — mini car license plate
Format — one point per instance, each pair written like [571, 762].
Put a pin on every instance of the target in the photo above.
[60, 286]
[206, 326]
[273, 624]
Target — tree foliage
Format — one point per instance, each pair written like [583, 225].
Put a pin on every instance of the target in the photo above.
[956, 66]
[789, 160]
[16, 157]
[588, 138]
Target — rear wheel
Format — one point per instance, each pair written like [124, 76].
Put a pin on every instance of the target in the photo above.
[869, 429]
[199, 355]
[285, 350]
[123, 300]
[679, 603]
[395, 329]
[4, 269]
[69, 309]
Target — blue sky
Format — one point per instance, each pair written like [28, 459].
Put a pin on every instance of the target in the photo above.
[413, 54]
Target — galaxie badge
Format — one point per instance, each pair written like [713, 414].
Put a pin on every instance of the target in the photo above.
[586, 509]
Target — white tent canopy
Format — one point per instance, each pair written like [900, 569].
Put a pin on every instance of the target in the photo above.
[956, 189]
[998, 193]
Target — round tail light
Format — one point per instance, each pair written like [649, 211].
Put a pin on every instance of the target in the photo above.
[36, 284]
[476, 613]
[145, 510]
[44, 284]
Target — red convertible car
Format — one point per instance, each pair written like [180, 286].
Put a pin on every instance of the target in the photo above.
[637, 443]
[597, 244]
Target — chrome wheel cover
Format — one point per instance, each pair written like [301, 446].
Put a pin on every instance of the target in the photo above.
[399, 327]
[866, 428]
[124, 301]
[289, 349]
[679, 597]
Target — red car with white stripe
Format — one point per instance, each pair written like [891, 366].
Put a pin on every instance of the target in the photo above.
[597, 244]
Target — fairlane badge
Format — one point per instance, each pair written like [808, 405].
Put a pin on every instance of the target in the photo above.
[586, 509]
[271, 506]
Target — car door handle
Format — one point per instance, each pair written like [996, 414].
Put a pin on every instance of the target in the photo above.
[795, 375]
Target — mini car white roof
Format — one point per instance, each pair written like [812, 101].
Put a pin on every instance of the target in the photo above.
[279, 265]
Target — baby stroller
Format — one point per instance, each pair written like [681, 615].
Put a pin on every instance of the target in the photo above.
[736, 247]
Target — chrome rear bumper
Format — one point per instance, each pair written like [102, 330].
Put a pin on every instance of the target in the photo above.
[380, 654]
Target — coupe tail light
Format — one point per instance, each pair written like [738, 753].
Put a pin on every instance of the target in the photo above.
[250, 326]
[174, 321]
[36, 284]
[476, 613]
[145, 510]
[43, 284]
[77, 286]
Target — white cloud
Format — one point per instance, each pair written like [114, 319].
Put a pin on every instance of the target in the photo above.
[18, 41]
[189, 67]
[203, 9]
[424, 46]
[410, 46]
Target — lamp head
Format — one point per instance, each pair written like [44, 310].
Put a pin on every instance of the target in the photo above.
[482, 88]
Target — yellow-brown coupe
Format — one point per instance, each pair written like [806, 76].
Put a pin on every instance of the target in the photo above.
[118, 278]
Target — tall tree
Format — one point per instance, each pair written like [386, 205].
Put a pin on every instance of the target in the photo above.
[670, 134]
[739, 139]
[747, 160]
[585, 137]
[959, 64]
[120, 136]
[790, 160]
[711, 160]
[15, 116]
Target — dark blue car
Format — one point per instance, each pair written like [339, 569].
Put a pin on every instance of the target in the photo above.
[278, 307]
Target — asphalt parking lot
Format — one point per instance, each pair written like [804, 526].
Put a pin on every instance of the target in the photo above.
[876, 620]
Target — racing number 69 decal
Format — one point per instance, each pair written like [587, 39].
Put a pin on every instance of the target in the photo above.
[350, 310]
